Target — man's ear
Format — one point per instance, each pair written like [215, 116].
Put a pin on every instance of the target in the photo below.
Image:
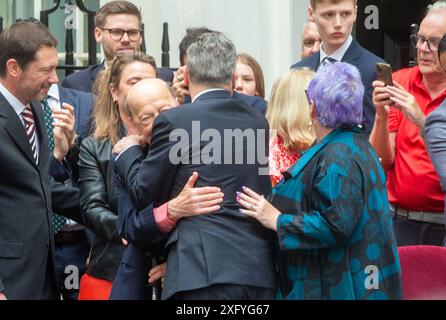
[310, 13]
[98, 34]
[233, 80]
[13, 68]
[186, 75]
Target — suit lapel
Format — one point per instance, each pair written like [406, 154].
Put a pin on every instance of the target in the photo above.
[353, 53]
[40, 129]
[315, 61]
[15, 129]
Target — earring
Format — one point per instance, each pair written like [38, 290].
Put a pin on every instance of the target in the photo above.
[310, 126]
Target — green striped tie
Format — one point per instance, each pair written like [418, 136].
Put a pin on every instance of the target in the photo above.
[59, 222]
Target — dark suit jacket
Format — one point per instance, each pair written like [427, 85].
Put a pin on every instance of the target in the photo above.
[435, 138]
[67, 194]
[365, 61]
[26, 241]
[145, 242]
[255, 102]
[83, 80]
[222, 248]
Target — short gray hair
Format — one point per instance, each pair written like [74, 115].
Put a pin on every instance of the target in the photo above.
[211, 60]
[440, 4]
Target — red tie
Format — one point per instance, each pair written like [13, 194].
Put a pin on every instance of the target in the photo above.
[28, 118]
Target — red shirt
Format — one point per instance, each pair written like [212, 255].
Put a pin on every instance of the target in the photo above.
[413, 183]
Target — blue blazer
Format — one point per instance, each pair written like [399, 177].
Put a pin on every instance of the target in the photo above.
[146, 241]
[83, 80]
[82, 103]
[365, 61]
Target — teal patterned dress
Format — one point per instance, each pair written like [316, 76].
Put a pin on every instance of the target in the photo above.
[335, 232]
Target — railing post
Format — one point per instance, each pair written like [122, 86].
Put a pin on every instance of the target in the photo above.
[143, 44]
[413, 51]
[1, 24]
[44, 14]
[165, 46]
[69, 42]
[92, 55]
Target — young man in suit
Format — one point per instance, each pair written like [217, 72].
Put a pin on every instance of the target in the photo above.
[118, 30]
[72, 246]
[216, 253]
[334, 20]
[28, 62]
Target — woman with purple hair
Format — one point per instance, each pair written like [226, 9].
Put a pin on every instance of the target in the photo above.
[331, 211]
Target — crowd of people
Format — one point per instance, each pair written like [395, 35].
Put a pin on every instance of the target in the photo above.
[189, 185]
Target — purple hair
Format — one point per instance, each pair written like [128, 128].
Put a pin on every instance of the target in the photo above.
[338, 93]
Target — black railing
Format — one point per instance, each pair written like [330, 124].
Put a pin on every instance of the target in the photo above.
[413, 53]
[69, 7]
[1, 24]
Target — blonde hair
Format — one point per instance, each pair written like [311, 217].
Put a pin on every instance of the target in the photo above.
[288, 110]
[258, 73]
[107, 121]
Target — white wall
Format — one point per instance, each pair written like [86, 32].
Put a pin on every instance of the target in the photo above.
[269, 30]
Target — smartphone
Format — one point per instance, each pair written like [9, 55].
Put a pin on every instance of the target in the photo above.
[384, 73]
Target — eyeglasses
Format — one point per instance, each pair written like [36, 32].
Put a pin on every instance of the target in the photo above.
[117, 34]
[432, 43]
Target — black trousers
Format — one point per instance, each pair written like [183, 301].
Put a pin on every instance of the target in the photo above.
[417, 233]
[227, 292]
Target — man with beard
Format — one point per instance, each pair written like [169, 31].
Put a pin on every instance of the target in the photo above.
[28, 62]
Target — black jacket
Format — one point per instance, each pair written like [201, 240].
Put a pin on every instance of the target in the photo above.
[225, 247]
[99, 207]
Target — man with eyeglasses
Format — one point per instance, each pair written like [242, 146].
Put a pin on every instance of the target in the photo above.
[118, 30]
[417, 201]
[435, 130]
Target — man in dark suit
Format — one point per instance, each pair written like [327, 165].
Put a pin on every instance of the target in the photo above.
[180, 87]
[72, 246]
[118, 30]
[335, 23]
[216, 253]
[28, 62]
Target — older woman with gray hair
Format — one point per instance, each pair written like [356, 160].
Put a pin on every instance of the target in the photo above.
[331, 211]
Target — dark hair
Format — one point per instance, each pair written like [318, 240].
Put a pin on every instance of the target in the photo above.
[192, 34]
[116, 7]
[21, 42]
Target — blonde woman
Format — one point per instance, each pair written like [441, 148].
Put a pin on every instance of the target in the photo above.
[288, 115]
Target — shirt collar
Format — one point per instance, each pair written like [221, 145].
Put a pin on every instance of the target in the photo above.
[206, 91]
[338, 55]
[53, 92]
[12, 100]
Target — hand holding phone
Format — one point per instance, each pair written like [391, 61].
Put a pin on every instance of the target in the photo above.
[384, 73]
